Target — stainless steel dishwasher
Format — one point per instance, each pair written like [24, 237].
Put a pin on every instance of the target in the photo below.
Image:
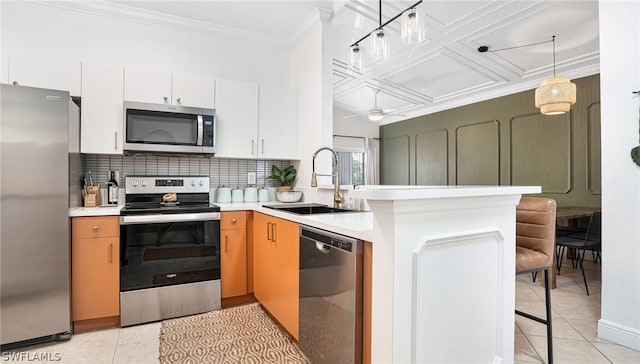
[330, 297]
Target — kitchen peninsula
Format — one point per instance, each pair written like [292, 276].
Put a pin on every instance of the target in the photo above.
[443, 257]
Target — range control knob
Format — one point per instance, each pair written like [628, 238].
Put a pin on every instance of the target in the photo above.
[144, 183]
[193, 182]
[201, 183]
[134, 183]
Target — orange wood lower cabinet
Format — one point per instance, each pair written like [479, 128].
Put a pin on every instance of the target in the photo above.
[366, 304]
[233, 263]
[276, 262]
[95, 269]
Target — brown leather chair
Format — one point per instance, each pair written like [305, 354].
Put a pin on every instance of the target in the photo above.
[535, 249]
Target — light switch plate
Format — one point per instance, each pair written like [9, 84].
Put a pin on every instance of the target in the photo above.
[251, 178]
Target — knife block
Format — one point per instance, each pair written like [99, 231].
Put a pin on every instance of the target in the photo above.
[92, 197]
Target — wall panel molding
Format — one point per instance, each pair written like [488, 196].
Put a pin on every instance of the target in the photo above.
[396, 160]
[594, 166]
[541, 152]
[478, 153]
[434, 302]
[432, 157]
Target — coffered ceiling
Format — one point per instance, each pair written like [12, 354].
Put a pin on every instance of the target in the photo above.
[447, 70]
[444, 71]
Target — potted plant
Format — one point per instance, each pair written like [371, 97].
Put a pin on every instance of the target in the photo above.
[284, 177]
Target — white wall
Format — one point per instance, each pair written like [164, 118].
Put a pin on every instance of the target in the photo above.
[44, 30]
[619, 76]
[310, 75]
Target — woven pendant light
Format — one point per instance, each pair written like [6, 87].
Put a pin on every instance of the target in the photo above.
[556, 94]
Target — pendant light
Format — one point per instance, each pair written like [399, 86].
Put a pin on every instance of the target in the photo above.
[555, 94]
[356, 60]
[414, 27]
[380, 45]
[413, 32]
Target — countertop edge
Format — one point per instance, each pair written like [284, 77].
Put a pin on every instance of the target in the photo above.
[95, 211]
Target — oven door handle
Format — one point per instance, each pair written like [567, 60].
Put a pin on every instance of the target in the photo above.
[164, 218]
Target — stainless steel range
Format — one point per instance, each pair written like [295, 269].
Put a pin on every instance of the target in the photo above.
[169, 249]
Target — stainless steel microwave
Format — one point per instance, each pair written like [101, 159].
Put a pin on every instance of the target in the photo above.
[168, 128]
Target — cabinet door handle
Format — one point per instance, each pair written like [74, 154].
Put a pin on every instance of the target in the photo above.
[178, 100]
[226, 243]
[95, 228]
[165, 99]
[115, 141]
[252, 145]
[274, 233]
[268, 231]
[110, 253]
[262, 140]
[233, 221]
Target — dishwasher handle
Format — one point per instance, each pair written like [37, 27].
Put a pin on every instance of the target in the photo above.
[323, 248]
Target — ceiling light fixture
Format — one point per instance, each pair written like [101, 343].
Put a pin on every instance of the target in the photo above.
[413, 32]
[555, 94]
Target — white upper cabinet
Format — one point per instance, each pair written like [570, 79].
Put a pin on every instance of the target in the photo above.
[277, 123]
[236, 119]
[255, 121]
[189, 90]
[147, 86]
[45, 72]
[102, 108]
[165, 88]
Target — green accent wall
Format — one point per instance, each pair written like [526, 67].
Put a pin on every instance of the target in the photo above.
[502, 141]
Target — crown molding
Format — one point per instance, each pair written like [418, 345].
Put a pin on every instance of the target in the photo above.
[318, 16]
[141, 16]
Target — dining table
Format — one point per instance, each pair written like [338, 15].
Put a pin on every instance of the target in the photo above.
[568, 215]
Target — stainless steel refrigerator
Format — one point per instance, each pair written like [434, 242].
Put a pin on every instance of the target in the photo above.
[34, 224]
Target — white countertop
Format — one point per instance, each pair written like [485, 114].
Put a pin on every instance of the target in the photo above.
[95, 211]
[358, 225]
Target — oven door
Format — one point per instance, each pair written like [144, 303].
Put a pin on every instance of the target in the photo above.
[168, 249]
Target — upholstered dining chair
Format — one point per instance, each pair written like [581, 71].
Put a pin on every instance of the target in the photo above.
[535, 250]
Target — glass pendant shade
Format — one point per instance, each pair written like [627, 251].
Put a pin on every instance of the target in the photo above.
[380, 45]
[414, 27]
[555, 95]
[356, 59]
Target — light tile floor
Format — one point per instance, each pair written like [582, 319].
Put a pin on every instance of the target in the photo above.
[575, 318]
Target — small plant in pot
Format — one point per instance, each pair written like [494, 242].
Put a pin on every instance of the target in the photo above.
[285, 177]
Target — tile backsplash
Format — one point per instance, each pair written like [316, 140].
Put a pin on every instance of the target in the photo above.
[228, 172]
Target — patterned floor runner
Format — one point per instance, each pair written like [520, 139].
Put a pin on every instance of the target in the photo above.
[243, 334]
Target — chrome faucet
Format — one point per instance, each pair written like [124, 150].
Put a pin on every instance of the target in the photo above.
[337, 199]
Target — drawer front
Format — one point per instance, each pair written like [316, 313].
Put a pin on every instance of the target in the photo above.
[233, 220]
[95, 227]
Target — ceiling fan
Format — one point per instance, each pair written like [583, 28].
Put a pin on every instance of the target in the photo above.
[376, 113]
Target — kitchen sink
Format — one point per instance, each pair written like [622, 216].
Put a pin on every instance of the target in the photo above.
[308, 209]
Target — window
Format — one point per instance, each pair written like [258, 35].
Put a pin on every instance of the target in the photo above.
[351, 166]
[352, 159]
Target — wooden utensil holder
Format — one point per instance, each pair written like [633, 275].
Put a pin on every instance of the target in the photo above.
[92, 197]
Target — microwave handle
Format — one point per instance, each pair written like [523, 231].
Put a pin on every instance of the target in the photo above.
[200, 130]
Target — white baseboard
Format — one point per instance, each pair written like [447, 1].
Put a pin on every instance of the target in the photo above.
[619, 334]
